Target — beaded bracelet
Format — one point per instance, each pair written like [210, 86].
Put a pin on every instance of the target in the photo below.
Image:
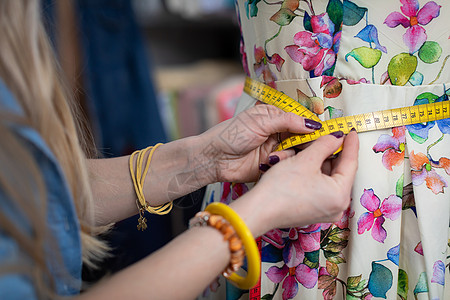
[204, 218]
[228, 222]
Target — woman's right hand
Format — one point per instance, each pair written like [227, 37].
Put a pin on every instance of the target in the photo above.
[297, 192]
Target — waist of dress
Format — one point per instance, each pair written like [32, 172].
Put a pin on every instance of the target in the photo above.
[353, 98]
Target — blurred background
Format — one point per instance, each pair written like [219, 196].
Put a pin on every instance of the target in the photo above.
[148, 71]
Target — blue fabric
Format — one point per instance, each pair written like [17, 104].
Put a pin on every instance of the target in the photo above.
[121, 100]
[120, 92]
[61, 219]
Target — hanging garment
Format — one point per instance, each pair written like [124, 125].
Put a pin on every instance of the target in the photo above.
[341, 58]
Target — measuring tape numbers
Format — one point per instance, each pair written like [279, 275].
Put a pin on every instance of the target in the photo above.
[363, 122]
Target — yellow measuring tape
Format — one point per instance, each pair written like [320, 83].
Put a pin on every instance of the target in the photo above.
[364, 122]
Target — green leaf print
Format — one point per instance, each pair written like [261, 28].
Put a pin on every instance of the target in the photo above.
[312, 259]
[338, 235]
[430, 52]
[380, 280]
[336, 13]
[401, 67]
[422, 285]
[353, 282]
[399, 187]
[416, 78]
[367, 57]
[335, 247]
[251, 8]
[307, 22]
[334, 257]
[283, 17]
[402, 286]
[353, 13]
[417, 138]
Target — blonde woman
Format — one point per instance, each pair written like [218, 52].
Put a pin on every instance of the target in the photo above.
[55, 199]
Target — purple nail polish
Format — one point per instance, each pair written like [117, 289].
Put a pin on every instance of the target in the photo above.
[264, 167]
[337, 134]
[311, 124]
[273, 159]
[353, 129]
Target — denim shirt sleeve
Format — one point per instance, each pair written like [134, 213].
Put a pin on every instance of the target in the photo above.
[61, 219]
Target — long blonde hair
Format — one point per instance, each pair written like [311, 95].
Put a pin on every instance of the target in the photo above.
[29, 69]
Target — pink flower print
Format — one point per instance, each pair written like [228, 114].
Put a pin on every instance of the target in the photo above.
[292, 276]
[261, 66]
[316, 50]
[232, 191]
[343, 222]
[374, 219]
[412, 18]
[295, 242]
[244, 57]
[353, 82]
[393, 147]
[419, 248]
[300, 239]
[422, 171]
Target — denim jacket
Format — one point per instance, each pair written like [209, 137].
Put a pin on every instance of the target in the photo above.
[61, 219]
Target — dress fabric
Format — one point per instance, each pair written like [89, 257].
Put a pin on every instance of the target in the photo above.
[341, 58]
[62, 220]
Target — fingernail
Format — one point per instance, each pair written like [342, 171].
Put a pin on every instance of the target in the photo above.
[353, 129]
[311, 124]
[273, 159]
[337, 134]
[264, 167]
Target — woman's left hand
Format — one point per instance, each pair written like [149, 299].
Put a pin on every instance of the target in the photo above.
[240, 145]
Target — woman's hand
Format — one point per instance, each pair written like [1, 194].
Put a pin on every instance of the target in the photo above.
[297, 192]
[239, 145]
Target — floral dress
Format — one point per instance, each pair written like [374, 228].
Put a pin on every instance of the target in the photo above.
[342, 58]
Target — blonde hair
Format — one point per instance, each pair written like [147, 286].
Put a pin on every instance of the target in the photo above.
[29, 69]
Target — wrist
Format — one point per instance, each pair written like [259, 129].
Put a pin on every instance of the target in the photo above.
[177, 169]
[206, 158]
[251, 209]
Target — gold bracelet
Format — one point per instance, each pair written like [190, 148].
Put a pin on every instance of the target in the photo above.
[138, 182]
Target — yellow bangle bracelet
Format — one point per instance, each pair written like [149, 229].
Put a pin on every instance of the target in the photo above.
[251, 249]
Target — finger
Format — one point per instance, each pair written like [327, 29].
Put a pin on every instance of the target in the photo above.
[278, 156]
[347, 164]
[275, 120]
[322, 148]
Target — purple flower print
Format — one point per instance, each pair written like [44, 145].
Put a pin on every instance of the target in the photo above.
[316, 50]
[291, 276]
[393, 147]
[422, 170]
[412, 18]
[261, 66]
[438, 273]
[295, 242]
[374, 219]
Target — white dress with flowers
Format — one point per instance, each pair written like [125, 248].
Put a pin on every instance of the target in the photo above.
[342, 58]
